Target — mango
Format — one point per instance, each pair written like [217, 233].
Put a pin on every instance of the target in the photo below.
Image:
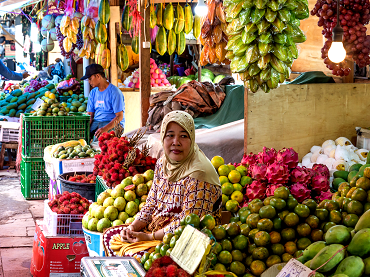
[334, 251]
[337, 234]
[367, 266]
[360, 243]
[363, 222]
[351, 266]
[311, 251]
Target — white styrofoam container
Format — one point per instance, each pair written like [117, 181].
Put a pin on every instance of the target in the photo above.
[57, 167]
[363, 138]
[94, 243]
[62, 224]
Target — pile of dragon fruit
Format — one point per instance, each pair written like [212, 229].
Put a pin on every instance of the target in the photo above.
[271, 169]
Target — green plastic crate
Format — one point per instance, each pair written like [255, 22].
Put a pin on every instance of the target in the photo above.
[100, 186]
[34, 179]
[39, 132]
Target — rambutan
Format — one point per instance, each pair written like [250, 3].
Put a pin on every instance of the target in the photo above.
[66, 210]
[114, 177]
[85, 205]
[61, 199]
[58, 196]
[113, 157]
[112, 171]
[73, 206]
[75, 199]
[104, 148]
[120, 147]
[158, 272]
[131, 169]
[171, 271]
[182, 273]
[74, 211]
[66, 202]
[121, 176]
[117, 166]
[81, 209]
[105, 160]
[107, 166]
[96, 162]
[55, 210]
[121, 159]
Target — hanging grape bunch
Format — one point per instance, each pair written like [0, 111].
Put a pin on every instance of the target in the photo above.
[262, 39]
[61, 38]
[354, 14]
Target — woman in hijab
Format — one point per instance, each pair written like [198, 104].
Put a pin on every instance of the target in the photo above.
[184, 182]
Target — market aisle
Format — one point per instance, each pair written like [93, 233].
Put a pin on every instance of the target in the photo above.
[17, 221]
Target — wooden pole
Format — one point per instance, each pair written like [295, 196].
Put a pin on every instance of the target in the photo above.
[114, 18]
[245, 120]
[199, 66]
[144, 61]
[350, 78]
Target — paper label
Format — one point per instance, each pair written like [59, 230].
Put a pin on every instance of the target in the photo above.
[37, 104]
[294, 268]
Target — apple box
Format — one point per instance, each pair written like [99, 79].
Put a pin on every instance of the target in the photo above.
[56, 256]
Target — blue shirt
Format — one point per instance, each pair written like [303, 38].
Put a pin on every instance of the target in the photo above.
[105, 104]
[10, 75]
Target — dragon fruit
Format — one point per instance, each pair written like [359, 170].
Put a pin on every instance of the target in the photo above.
[320, 183]
[288, 156]
[300, 192]
[324, 195]
[267, 156]
[277, 173]
[300, 175]
[256, 190]
[271, 189]
[249, 160]
[321, 169]
[258, 171]
[311, 172]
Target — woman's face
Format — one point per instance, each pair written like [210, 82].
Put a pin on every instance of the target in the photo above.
[176, 142]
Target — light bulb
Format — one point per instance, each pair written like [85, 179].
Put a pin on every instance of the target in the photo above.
[201, 9]
[37, 47]
[34, 32]
[337, 53]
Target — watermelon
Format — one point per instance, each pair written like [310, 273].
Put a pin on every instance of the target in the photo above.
[182, 81]
[205, 78]
[193, 77]
[207, 72]
[218, 78]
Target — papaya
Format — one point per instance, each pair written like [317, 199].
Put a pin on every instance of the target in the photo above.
[22, 106]
[351, 266]
[311, 251]
[354, 167]
[179, 20]
[160, 15]
[105, 59]
[168, 17]
[153, 17]
[181, 44]
[126, 18]
[135, 44]
[335, 252]
[360, 243]
[50, 86]
[171, 47]
[337, 234]
[16, 92]
[31, 101]
[18, 113]
[197, 27]
[11, 106]
[8, 98]
[104, 12]
[188, 19]
[101, 34]
[337, 182]
[22, 100]
[12, 112]
[122, 59]
[161, 41]
[99, 51]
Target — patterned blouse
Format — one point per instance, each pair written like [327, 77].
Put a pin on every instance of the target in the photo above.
[169, 202]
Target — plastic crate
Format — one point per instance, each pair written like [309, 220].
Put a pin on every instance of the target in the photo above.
[34, 179]
[100, 186]
[39, 132]
[62, 224]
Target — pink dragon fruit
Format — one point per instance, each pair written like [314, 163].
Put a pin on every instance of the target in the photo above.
[267, 156]
[288, 156]
[271, 189]
[249, 160]
[324, 195]
[256, 190]
[277, 173]
[300, 175]
[320, 183]
[322, 170]
[300, 192]
[258, 171]
[311, 172]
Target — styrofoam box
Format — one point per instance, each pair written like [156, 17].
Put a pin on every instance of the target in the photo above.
[9, 131]
[363, 138]
[57, 167]
[62, 224]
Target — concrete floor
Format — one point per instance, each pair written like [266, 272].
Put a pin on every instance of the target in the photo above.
[17, 226]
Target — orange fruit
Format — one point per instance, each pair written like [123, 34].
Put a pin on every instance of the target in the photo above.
[225, 257]
[257, 267]
[225, 198]
[275, 237]
[290, 247]
[242, 170]
[217, 161]
[208, 221]
[237, 187]
[232, 206]
[245, 180]
[273, 259]
[223, 180]
[192, 219]
[234, 176]
[227, 188]
[238, 196]
[223, 170]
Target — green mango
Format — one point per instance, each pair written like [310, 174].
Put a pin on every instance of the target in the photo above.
[337, 234]
[311, 251]
[351, 266]
[360, 243]
[335, 252]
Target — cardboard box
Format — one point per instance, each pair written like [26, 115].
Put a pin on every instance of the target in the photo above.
[56, 256]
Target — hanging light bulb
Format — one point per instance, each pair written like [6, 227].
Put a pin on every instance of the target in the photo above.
[201, 8]
[34, 32]
[36, 47]
[337, 53]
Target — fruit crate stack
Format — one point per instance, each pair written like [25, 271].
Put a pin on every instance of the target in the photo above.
[39, 132]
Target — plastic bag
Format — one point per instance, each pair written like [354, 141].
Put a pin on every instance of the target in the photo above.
[92, 9]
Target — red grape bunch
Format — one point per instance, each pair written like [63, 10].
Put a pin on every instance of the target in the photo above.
[354, 15]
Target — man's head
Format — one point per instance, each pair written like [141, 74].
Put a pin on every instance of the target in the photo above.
[95, 75]
[2, 40]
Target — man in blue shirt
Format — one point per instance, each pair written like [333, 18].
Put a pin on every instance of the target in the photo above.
[11, 75]
[106, 105]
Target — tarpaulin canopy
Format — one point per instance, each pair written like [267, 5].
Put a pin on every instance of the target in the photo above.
[12, 5]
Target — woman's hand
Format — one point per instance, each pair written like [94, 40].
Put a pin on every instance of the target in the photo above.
[125, 233]
[140, 236]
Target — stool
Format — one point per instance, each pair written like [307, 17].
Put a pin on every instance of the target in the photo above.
[10, 162]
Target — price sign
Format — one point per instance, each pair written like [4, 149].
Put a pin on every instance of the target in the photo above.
[37, 104]
[294, 268]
